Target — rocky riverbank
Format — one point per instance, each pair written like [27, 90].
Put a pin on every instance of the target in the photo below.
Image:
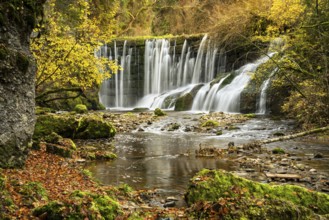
[65, 190]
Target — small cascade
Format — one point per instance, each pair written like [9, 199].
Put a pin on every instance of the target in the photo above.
[261, 106]
[228, 98]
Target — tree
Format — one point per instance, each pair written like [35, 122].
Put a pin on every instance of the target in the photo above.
[65, 47]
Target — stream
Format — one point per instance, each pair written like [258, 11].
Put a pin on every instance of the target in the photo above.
[154, 158]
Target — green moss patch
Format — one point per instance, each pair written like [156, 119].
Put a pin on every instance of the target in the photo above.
[64, 125]
[94, 127]
[159, 112]
[184, 103]
[7, 206]
[80, 108]
[210, 123]
[226, 196]
[278, 151]
[82, 205]
[32, 192]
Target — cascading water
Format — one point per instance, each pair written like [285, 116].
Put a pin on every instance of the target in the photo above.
[170, 71]
[166, 79]
[261, 107]
[120, 83]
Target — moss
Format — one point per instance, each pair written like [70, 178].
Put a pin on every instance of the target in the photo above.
[22, 62]
[254, 200]
[210, 123]
[59, 150]
[80, 108]
[32, 192]
[52, 138]
[3, 52]
[232, 127]
[83, 205]
[173, 127]
[184, 103]
[64, 125]
[105, 155]
[159, 112]
[250, 115]
[7, 206]
[220, 132]
[278, 151]
[42, 110]
[94, 127]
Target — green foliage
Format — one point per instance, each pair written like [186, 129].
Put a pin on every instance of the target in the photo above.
[65, 50]
[80, 108]
[159, 112]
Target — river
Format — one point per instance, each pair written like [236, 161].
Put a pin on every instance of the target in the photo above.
[165, 160]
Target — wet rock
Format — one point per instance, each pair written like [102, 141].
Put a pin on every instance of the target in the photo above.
[318, 155]
[300, 166]
[313, 170]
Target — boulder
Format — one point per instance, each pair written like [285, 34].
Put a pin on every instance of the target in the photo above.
[94, 127]
[226, 196]
[184, 103]
[17, 75]
[63, 124]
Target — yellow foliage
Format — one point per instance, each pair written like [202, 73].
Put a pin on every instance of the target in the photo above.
[285, 13]
[65, 49]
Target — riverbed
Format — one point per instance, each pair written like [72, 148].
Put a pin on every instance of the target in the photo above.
[151, 157]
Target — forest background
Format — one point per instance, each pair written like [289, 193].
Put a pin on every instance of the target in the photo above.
[71, 30]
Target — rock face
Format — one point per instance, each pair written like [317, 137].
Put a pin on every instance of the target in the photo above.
[17, 72]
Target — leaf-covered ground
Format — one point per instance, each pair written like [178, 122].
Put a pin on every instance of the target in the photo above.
[56, 179]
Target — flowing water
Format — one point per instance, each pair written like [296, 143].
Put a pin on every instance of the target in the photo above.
[159, 159]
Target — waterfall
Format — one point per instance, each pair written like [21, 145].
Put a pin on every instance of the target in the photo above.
[120, 83]
[168, 75]
[228, 98]
[170, 70]
[261, 107]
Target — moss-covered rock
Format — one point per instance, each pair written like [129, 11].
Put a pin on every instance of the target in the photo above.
[84, 205]
[184, 102]
[43, 110]
[223, 195]
[80, 108]
[159, 112]
[64, 125]
[210, 123]
[93, 127]
[278, 150]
